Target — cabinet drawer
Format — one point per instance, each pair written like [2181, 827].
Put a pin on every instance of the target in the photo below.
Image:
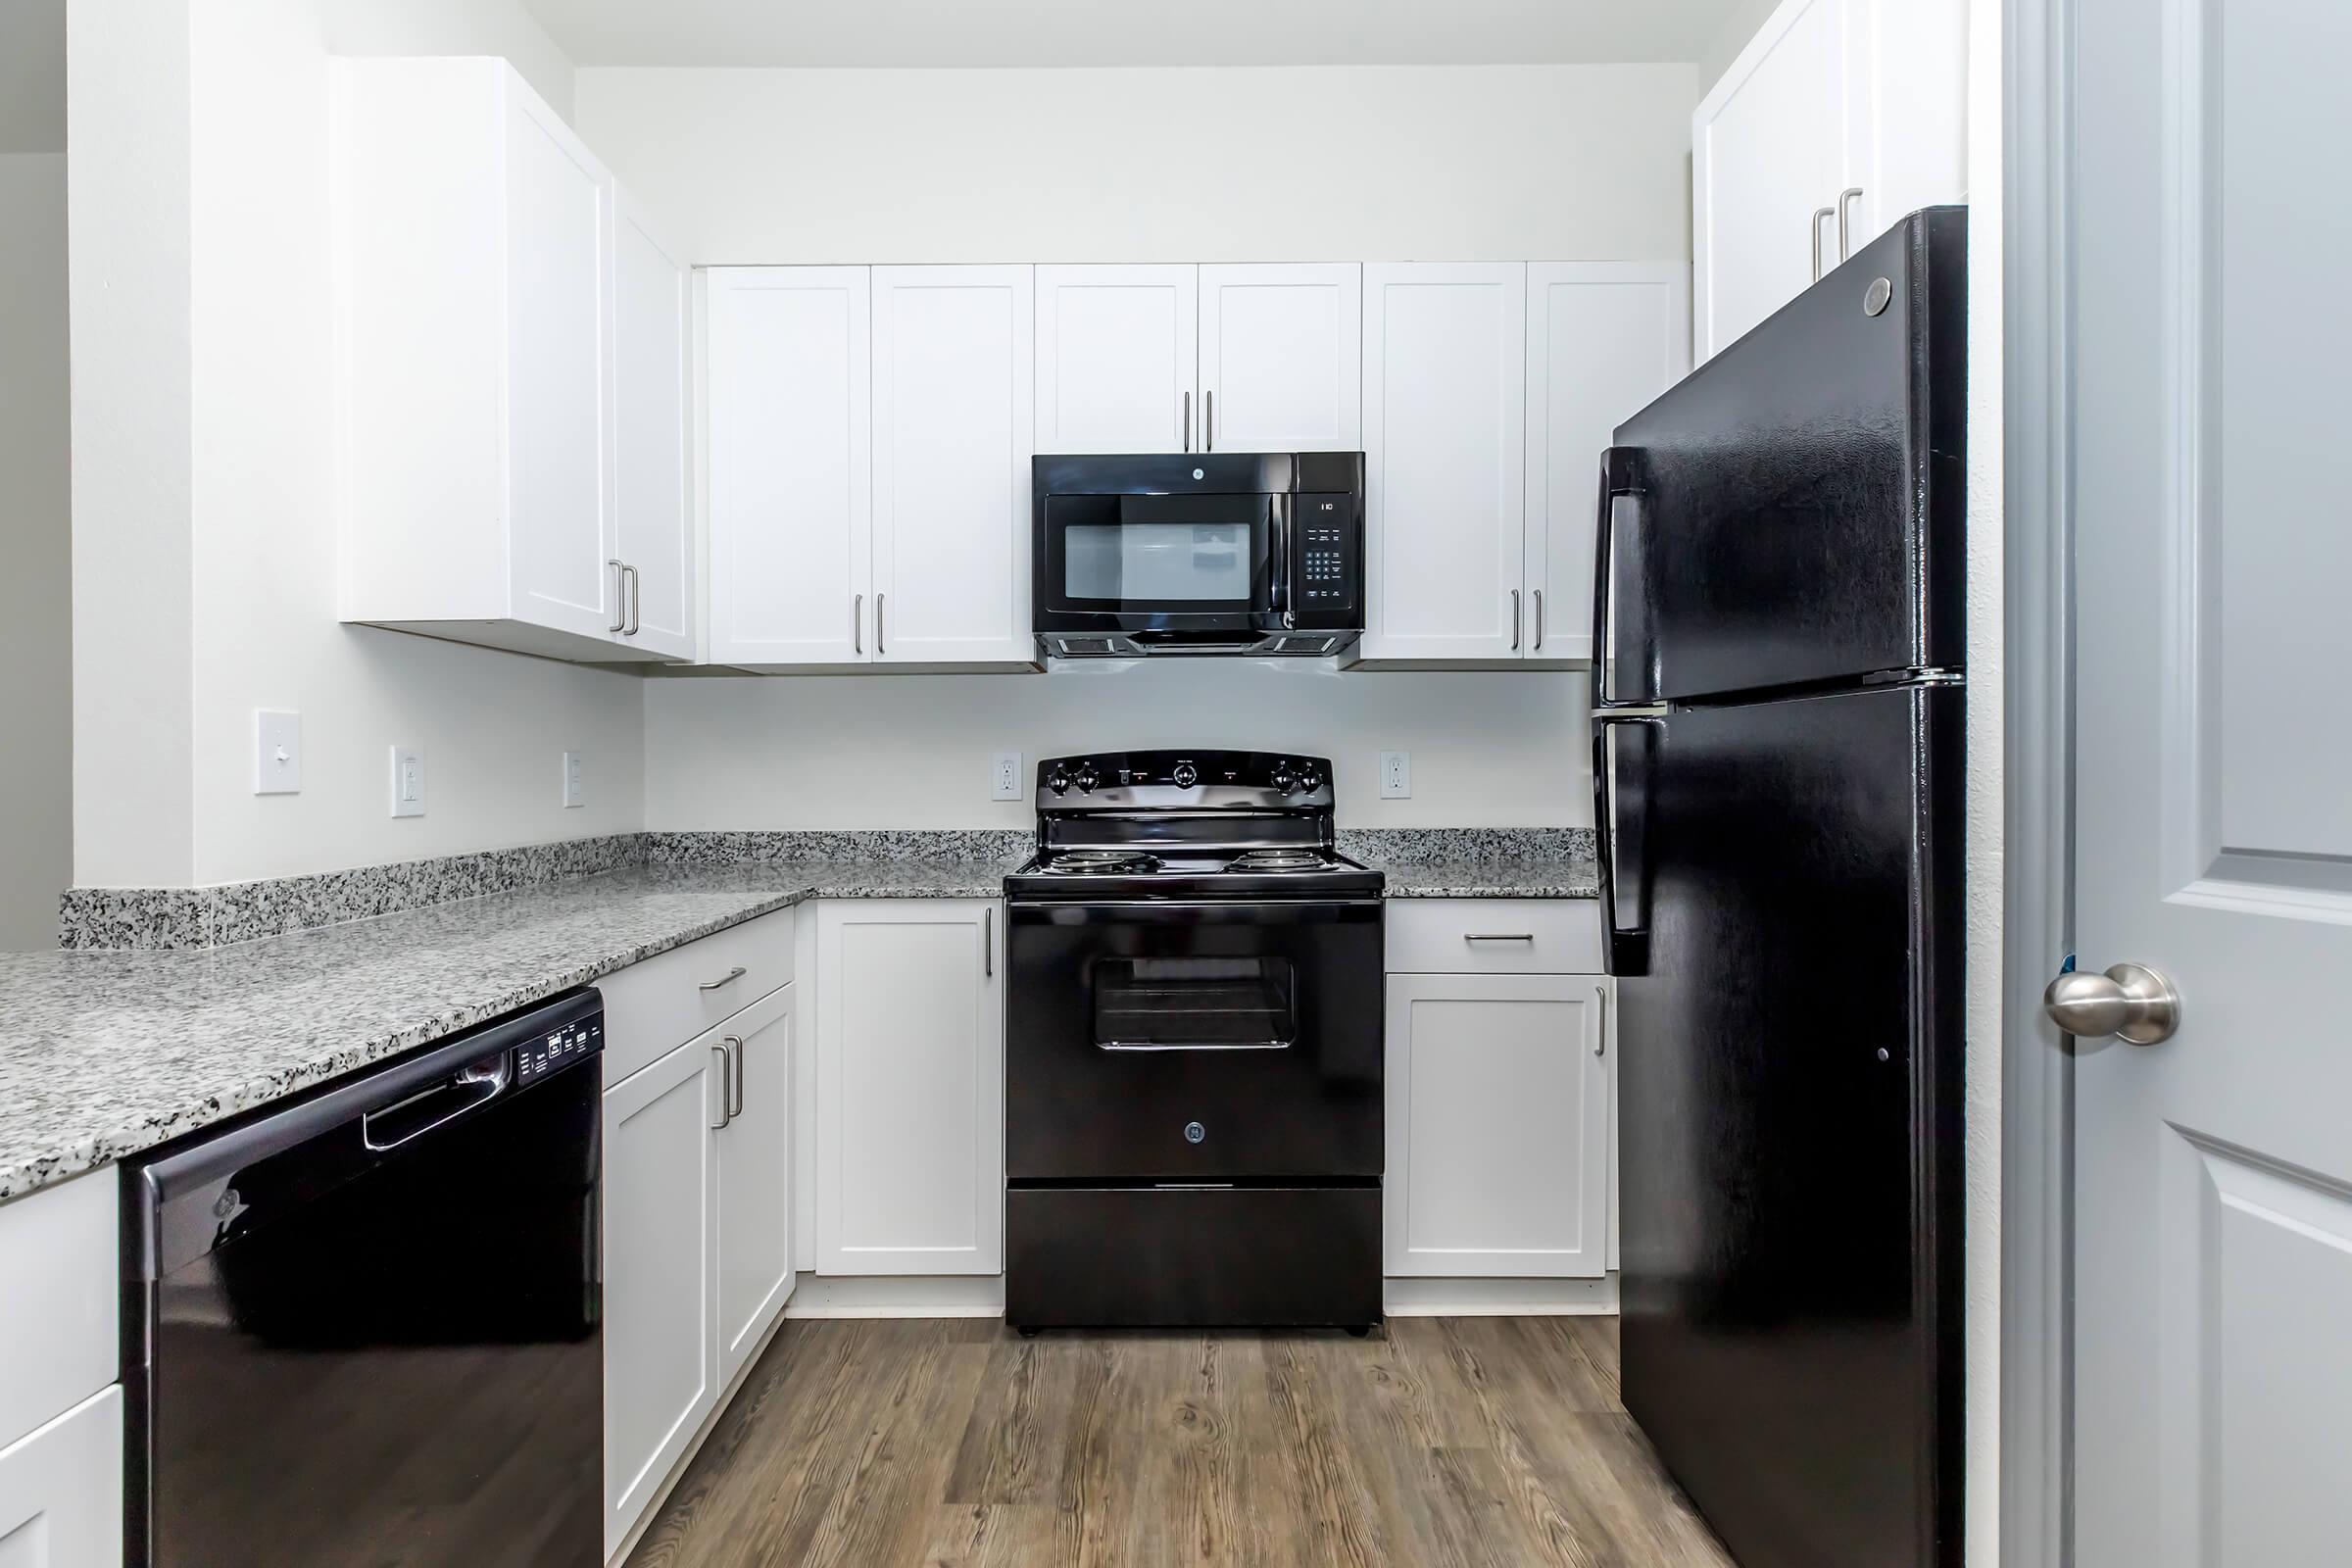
[1494, 936]
[60, 1301]
[653, 1007]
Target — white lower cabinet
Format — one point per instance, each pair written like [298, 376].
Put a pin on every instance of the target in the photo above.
[61, 1489]
[909, 1086]
[660, 1232]
[1499, 1129]
[755, 1178]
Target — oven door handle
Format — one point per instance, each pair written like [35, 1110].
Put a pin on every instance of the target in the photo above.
[1232, 1045]
[1285, 531]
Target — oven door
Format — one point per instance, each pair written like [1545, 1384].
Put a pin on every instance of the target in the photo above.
[1181, 1043]
[1139, 564]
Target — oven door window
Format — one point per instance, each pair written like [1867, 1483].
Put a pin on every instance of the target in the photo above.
[1165, 554]
[1195, 1004]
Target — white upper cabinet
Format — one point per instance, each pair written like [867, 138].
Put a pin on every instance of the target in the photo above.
[1603, 338]
[478, 258]
[652, 481]
[1116, 358]
[954, 401]
[1282, 358]
[1837, 119]
[790, 467]
[1444, 446]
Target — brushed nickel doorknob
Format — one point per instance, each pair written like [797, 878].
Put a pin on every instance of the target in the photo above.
[2131, 1001]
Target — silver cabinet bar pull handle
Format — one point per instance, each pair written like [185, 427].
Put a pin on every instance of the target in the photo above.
[879, 650]
[636, 600]
[1188, 421]
[1498, 936]
[1514, 620]
[1208, 420]
[1844, 235]
[1539, 621]
[720, 1052]
[734, 1077]
[727, 979]
[1819, 213]
[857, 624]
[620, 596]
[988, 942]
[1600, 1036]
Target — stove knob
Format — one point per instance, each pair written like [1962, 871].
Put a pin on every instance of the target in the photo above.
[1308, 783]
[1186, 775]
[1058, 782]
[1087, 781]
[1284, 778]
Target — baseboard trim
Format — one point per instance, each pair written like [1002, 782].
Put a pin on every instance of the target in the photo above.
[1501, 1297]
[821, 1295]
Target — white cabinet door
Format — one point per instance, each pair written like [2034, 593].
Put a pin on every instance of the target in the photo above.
[1282, 358]
[1498, 1126]
[651, 478]
[61, 1489]
[1118, 359]
[1768, 152]
[559, 223]
[909, 1088]
[791, 465]
[660, 1197]
[755, 1178]
[1445, 447]
[1603, 338]
[954, 353]
[1906, 143]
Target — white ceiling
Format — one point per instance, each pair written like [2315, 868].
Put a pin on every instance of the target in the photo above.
[1126, 33]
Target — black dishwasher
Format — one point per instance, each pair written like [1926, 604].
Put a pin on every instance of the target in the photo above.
[364, 1328]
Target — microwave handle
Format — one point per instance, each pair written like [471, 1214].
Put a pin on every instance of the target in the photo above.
[1284, 533]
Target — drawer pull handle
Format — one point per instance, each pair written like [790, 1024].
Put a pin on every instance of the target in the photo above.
[727, 979]
[1498, 936]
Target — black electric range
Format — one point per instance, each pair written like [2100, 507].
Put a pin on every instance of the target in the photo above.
[1194, 1044]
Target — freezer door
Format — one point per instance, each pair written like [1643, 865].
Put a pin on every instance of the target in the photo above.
[1793, 511]
[1790, 1102]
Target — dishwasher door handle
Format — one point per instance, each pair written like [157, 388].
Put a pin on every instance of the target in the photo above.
[430, 1109]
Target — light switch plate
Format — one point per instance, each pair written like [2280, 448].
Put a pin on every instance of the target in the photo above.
[276, 752]
[575, 780]
[1396, 775]
[407, 781]
[1005, 777]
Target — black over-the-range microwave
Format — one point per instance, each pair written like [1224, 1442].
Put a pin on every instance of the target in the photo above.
[1199, 553]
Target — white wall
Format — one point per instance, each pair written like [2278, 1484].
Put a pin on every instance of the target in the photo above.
[913, 751]
[37, 709]
[1208, 164]
[1266, 164]
[1743, 21]
[203, 522]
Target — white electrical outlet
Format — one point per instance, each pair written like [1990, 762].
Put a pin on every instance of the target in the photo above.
[575, 780]
[1396, 775]
[1005, 777]
[276, 752]
[407, 781]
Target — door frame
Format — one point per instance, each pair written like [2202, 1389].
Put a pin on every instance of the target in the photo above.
[2037, 904]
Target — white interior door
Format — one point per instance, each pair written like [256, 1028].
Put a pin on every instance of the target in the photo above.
[1768, 150]
[2213, 1202]
[651, 453]
[1603, 338]
[791, 470]
[954, 364]
[1282, 358]
[559, 375]
[1118, 359]
[1444, 454]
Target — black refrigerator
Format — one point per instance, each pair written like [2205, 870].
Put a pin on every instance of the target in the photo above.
[1778, 692]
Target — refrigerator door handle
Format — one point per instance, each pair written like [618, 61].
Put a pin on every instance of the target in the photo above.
[1617, 470]
[1623, 878]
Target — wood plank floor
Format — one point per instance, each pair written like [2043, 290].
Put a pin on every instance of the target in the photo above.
[1491, 1442]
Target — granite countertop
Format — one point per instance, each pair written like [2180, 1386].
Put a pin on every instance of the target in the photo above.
[106, 1054]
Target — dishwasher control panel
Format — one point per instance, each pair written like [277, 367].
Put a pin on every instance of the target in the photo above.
[560, 1048]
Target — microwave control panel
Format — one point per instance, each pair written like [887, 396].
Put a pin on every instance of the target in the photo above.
[1329, 545]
